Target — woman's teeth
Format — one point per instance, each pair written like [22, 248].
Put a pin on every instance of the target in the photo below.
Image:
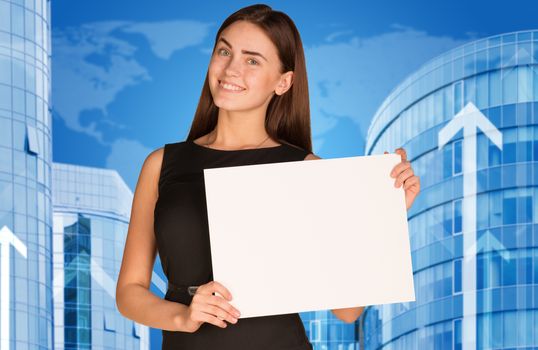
[231, 87]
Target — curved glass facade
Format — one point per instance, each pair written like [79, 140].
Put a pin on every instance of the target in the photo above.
[91, 217]
[25, 181]
[498, 75]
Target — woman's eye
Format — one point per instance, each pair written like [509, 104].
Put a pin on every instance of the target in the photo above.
[221, 51]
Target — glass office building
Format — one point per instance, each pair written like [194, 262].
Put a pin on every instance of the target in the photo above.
[26, 314]
[326, 332]
[499, 76]
[91, 217]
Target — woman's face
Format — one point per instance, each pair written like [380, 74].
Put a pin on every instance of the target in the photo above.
[244, 71]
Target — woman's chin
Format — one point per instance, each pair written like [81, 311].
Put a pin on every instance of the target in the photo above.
[227, 105]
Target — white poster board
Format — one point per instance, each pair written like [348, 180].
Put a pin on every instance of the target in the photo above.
[309, 235]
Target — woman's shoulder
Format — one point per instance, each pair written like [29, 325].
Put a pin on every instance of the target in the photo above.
[156, 157]
[153, 162]
[311, 156]
[163, 155]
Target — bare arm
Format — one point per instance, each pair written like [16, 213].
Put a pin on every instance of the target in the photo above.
[133, 297]
[348, 315]
[351, 314]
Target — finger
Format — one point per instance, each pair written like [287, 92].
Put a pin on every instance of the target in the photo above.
[224, 305]
[403, 176]
[402, 153]
[218, 287]
[214, 286]
[208, 318]
[203, 304]
[413, 181]
[218, 302]
[217, 312]
[399, 168]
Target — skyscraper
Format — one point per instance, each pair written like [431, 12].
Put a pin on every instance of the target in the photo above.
[91, 215]
[26, 318]
[468, 122]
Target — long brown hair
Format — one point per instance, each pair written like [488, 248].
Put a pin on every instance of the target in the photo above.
[288, 115]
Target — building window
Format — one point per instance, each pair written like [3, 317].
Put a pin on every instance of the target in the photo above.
[457, 157]
[447, 219]
[447, 161]
[509, 85]
[495, 88]
[33, 145]
[136, 330]
[509, 146]
[456, 273]
[508, 271]
[110, 321]
[457, 334]
[458, 97]
[456, 210]
[482, 267]
[524, 209]
[509, 210]
[315, 330]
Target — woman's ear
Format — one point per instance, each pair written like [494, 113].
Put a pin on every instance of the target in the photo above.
[286, 81]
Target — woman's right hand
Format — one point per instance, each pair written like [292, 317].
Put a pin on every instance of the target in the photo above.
[214, 309]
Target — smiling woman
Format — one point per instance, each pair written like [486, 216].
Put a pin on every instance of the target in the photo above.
[254, 109]
[258, 55]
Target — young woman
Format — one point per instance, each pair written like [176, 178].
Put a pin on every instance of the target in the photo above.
[253, 110]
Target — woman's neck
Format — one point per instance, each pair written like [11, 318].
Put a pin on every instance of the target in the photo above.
[236, 130]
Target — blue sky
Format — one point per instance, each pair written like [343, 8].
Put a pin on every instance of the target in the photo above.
[127, 75]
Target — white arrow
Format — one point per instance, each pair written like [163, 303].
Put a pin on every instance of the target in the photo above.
[7, 238]
[488, 242]
[469, 119]
[522, 54]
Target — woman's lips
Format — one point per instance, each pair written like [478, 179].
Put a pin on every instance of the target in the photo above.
[228, 89]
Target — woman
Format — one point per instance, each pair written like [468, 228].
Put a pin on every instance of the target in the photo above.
[253, 110]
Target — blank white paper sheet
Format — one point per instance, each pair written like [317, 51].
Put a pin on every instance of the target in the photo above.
[309, 235]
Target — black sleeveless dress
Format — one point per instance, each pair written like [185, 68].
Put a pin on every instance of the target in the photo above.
[182, 235]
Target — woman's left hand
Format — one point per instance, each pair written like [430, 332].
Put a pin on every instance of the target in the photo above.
[403, 174]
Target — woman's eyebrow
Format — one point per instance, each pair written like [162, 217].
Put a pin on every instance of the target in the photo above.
[244, 51]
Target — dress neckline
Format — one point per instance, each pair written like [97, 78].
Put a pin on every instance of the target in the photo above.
[234, 150]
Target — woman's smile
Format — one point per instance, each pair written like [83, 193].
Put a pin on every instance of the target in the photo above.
[229, 87]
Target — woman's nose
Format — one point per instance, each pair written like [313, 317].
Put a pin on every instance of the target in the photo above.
[233, 68]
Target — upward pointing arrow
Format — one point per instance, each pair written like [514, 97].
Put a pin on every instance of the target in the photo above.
[469, 119]
[7, 238]
[488, 243]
